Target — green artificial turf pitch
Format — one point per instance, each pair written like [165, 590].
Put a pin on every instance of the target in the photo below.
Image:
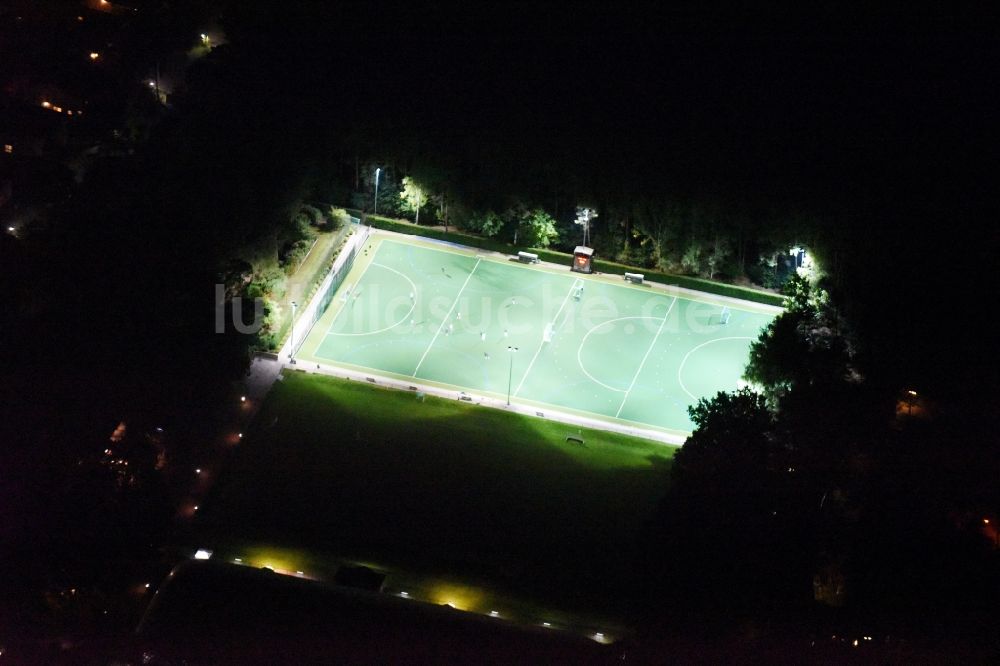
[443, 315]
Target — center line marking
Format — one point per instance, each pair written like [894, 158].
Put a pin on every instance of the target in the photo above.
[446, 318]
[554, 319]
[651, 345]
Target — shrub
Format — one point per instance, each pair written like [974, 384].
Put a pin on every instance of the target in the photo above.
[338, 218]
[313, 215]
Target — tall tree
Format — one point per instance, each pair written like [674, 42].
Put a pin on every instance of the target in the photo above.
[414, 197]
[808, 344]
[537, 229]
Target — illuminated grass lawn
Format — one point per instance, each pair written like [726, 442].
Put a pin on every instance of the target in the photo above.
[439, 487]
[441, 315]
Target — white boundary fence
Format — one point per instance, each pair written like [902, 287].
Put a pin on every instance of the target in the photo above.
[321, 300]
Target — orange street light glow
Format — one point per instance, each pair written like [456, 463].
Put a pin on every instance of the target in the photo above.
[46, 104]
[94, 55]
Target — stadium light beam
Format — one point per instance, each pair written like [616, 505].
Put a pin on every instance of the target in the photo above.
[510, 371]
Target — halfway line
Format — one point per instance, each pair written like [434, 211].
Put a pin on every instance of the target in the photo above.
[539, 350]
[651, 345]
[446, 317]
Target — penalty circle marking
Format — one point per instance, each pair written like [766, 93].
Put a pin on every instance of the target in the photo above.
[680, 368]
[579, 350]
[413, 305]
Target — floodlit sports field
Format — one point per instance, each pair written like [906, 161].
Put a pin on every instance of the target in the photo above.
[596, 346]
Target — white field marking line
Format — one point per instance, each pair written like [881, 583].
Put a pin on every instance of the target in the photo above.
[554, 270]
[446, 317]
[680, 368]
[413, 305]
[542, 344]
[599, 420]
[651, 345]
[344, 306]
[579, 350]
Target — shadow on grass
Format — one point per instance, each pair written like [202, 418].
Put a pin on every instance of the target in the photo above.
[440, 487]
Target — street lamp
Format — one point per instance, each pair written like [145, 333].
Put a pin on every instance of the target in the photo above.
[510, 371]
[378, 170]
[291, 351]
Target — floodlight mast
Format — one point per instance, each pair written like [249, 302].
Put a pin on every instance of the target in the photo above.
[510, 371]
[378, 170]
[583, 218]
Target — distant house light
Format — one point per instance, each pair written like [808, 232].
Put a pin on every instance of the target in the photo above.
[94, 55]
[7, 148]
[47, 104]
